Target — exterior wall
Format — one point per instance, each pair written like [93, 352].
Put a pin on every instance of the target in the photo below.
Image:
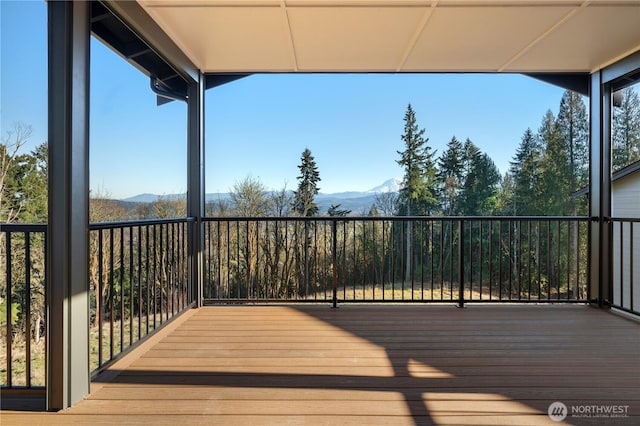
[626, 197]
[626, 242]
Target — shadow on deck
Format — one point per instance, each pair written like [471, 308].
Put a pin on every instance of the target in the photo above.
[372, 365]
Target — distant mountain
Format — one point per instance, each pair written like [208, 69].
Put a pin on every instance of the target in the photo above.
[391, 185]
[142, 198]
[359, 202]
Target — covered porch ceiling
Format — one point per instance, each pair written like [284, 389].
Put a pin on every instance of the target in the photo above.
[524, 36]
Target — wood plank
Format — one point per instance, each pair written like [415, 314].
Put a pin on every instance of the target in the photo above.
[369, 364]
[116, 391]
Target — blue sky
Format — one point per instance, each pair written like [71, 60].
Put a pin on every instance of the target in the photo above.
[258, 126]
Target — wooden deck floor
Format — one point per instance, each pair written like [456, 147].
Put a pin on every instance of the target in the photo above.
[365, 365]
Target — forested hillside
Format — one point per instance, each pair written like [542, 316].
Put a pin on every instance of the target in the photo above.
[516, 258]
[550, 164]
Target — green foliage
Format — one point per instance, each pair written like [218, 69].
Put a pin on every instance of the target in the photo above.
[481, 180]
[551, 165]
[450, 177]
[418, 194]
[555, 190]
[335, 210]
[626, 129]
[15, 310]
[573, 126]
[525, 176]
[303, 198]
[23, 178]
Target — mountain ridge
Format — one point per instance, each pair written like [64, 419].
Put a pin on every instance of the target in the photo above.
[390, 185]
[356, 201]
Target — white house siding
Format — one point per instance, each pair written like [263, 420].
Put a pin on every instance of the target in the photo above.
[626, 242]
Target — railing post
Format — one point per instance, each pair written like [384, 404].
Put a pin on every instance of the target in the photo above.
[195, 188]
[9, 305]
[334, 260]
[461, 263]
[600, 191]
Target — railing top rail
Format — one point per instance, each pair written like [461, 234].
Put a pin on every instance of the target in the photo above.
[625, 219]
[23, 227]
[395, 218]
[139, 222]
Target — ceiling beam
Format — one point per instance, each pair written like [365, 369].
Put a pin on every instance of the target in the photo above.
[416, 35]
[134, 16]
[289, 33]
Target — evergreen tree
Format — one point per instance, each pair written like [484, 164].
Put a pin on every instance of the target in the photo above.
[556, 196]
[573, 125]
[23, 178]
[303, 198]
[626, 129]
[336, 211]
[479, 196]
[417, 196]
[525, 177]
[450, 177]
[505, 205]
[30, 185]
[470, 154]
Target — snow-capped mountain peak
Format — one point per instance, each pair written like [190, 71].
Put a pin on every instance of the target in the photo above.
[391, 185]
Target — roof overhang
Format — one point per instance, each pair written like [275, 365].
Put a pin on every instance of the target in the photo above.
[558, 41]
[522, 36]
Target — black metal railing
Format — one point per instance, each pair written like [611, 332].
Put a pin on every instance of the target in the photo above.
[22, 305]
[400, 259]
[138, 279]
[625, 290]
[139, 272]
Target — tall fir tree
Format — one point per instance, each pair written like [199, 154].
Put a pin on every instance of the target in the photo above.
[450, 177]
[418, 194]
[480, 191]
[304, 198]
[506, 205]
[626, 129]
[525, 177]
[573, 125]
[470, 154]
[555, 191]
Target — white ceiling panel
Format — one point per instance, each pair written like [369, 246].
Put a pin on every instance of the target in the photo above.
[362, 39]
[482, 37]
[229, 38]
[400, 35]
[590, 39]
